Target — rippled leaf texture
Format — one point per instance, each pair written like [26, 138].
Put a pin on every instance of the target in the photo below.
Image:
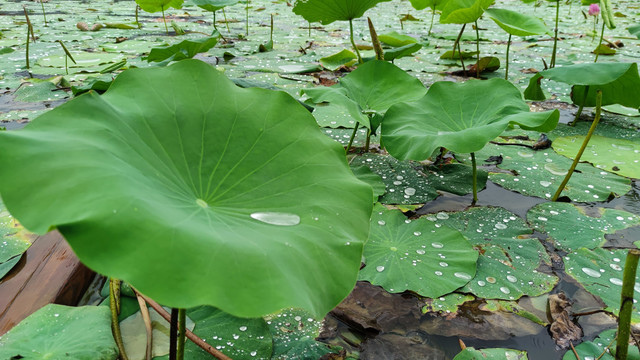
[508, 257]
[416, 255]
[618, 156]
[619, 82]
[569, 227]
[461, 117]
[156, 184]
[516, 23]
[62, 332]
[600, 272]
[370, 89]
[328, 11]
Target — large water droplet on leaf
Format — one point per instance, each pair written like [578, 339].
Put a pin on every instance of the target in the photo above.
[277, 218]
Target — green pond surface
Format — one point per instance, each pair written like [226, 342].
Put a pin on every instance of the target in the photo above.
[524, 252]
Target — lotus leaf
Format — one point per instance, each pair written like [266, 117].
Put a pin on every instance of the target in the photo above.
[600, 272]
[334, 116]
[328, 11]
[598, 348]
[614, 155]
[603, 49]
[14, 241]
[455, 178]
[634, 30]
[239, 184]
[294, 332]
[538, 317]
[372, 88]
[570, 227]
[619, 82]
[539, 173]
[621, 110]
[422, 4]
[416, 255]
[366, 175]
[507, 264]
[336, 61]
[214, 5]
[159, 5]
[402, 51]
[396, 40]
[470, 119]
[446, 304]
[451, 55]
[463, 11]
[516, 23]
[60, 332]
[493, 354]
[185, 49]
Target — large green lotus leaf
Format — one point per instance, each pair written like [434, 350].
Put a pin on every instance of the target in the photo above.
[570, 227]
[618, 156]
[395, 39]
[200, 192]
[422, 4]
[600, 272]
[62, 332]
[294, 332]
[370, 89]
[619, 82]
[404, 183]
[463, 11]
[462, 117]
[493, 354]
[185, 49]
[508, 257]
[416, 255]
[14, 241]
[539, 173]
[159, 5]
[214, 5]
[599, 348]
[238, 338]
[338, 60]
[328, 11]
[517, 23]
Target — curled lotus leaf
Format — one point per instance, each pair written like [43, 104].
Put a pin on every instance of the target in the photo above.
[463, 11]
[516, 23]
[200, 192]
[328, 11]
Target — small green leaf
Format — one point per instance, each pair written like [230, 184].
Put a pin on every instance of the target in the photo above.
[396, 40]
[446, 304]
[185, 49]
[603, 49]
[493, 354]
[634, 30]
[450, 55]
[517, 23]
[614, 155]
[463, 11]
[402, 51]
[343, 58]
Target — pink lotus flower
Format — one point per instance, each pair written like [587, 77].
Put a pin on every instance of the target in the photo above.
[594, 9]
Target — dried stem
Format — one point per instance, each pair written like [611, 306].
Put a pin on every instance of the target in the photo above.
[114, 306]
[144, 311]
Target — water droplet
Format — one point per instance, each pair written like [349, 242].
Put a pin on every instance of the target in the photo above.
[616, 281]
[393, 248]
[236, 337]
[491, 279]
[615, 267]
[439, 273]
[437, 245]
[545, 183]
[410, 191]
[381, 222]
[276, 218]
[203, 204]
[462, 275]
[619, 218]
[397, 183]
[421, 251]
[417, 233]
[555, 169]
[380, 268]
[443, 264]
[542, 218]
[481, 283]
[442, 215]
[400, 177]
[512, 278]
[253, 353]
[591, 272]
[243, 328]
[505, 290]
[500, 226]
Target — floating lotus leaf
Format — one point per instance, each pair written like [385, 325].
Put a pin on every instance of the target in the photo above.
[185, 49]
[294, 333]
[538, 317]
[455, 178]
[334, 116]
[14, 241]
[461, 117]
[214, 5]
[366, 175]
[619, 82]
[159, 5]
[463, 11]
[195, 193]
[328, 11]
[619, 156]
[493, 354]
[451, 55]
[634, 30]
[336, 61]
[370, 89]
[570, 227]
[600, 272]
[598, 348]
[516, 23]
[508, 258]
[446, 304]
[402, 51]
[416, 255]
[539, 173]
[396, 40]
[61, 332]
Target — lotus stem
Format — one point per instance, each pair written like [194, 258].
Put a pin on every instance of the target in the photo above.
[309, 22]
[138, 22]
[353, 136]
[44, 15]
[26, 15]
[580, 107]
[173, 335]
[246, 8]
[477, 50]
[626, 303]
[457, 44]
[555, 37]
[27, 56]
[475, 179]
[354, 45]
[214, 22]
[368, 141]
[433, 15]
[599, 43]
[182, 317]
[506, 70]
[583, 147]
[374, 40]
[226, 22]
[271, 33]
[144, 311]
[114, 306]
[164, 19]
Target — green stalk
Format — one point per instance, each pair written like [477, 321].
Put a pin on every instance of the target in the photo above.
[247, 19]
[599, 43]
[353, 136]
[309, 28]
[457, 44]
[581, 106]
[44, 15]
[182, 317]
[271, 33]
[138, 22]
[164, 19]
[506, 71]
[475, 178]
[478, 50]
[173, 334]
[433, 15]
[224, 13]
[114, 306]
[368, 141]
[27, 57]
[626, 303]
[555, 38]
[214, 22]
[583, 147]
[354, 43]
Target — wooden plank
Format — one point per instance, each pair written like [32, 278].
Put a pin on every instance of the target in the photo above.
[49, 272]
